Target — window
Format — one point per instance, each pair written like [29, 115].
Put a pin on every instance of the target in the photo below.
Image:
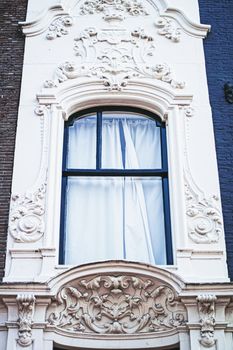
[115, 200]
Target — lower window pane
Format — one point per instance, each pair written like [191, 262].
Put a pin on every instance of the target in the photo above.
[114, 218]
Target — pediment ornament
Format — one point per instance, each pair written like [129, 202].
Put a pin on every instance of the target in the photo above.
[116, 304]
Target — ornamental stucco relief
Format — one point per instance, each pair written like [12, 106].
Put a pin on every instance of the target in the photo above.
[116, 304]
[206, 309]
[204, 217]
[26, 305]
[59, 27]
[113, 9]
[26, 222]
[168, 28]
[114, 56]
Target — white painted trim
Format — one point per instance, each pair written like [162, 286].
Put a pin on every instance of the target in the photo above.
[41, 23]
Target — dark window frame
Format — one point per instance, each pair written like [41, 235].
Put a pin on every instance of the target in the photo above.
[163, 172]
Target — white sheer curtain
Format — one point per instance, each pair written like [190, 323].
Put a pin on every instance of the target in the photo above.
[115, 217]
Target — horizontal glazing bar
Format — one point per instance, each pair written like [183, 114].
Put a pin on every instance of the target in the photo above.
[115, 172]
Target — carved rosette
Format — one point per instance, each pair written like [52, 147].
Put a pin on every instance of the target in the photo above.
[26, 223]
[26, 305]
[206, 309]
[114, 56]
[204, 218]
[113, 9]
[59, 27]
[168, 29]
[119, 304]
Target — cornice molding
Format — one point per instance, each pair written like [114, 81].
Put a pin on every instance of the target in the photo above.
[42, 22]
[191, 28]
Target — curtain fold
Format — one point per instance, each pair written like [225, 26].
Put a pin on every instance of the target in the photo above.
[116, 217]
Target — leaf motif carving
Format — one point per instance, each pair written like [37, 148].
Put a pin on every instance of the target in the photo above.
[123, 57]
[116, 304]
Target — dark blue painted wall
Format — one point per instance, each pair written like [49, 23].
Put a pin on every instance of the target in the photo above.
[219, 64]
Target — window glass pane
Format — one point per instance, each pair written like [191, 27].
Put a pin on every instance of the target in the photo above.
[82, 144]
[114, 218]
[130, 141]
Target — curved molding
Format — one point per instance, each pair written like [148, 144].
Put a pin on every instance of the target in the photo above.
[116, 267]
[149, 94]
[191, 28]
[44, 21]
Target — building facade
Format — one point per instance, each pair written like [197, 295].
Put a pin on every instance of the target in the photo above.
[128, 253]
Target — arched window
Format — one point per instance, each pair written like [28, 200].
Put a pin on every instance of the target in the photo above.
[115, 200]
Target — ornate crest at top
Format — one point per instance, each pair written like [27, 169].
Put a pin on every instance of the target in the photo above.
[113, 9]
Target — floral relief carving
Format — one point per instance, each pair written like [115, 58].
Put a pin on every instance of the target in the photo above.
[113, 9]
[204, 218]
[26, 223]
[114, 56]
[118, 304]
[168, 29]
[59, 27]
[206, 309]
[26, 305]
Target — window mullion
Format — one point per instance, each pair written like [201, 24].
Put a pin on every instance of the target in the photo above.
[167, 221]
[99, 141]
[163, 148]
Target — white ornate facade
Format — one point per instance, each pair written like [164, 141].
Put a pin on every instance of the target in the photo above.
[90, 53]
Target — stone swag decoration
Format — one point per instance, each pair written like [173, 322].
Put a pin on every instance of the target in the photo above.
[114, 56]
[59, 26]
[113, 9]
[26, 222]
[168, 29]
[206, 309]
[119, 304]
[26, 305]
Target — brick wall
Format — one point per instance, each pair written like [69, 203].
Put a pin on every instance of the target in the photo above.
[219, 64]
[11, 60]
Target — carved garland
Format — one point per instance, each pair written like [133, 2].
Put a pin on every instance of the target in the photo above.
[26, 223]
[26, 305]
[168, 29]
[113, 9]
[206, 309]
[116, 305]
[123, 57]
[59, 27]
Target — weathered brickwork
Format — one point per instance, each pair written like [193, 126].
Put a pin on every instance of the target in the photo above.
[11, 60]
[219, 53]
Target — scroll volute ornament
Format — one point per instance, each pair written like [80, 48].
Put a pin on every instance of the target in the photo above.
[119, 304]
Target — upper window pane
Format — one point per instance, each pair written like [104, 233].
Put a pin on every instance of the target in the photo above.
[82, 144]
[130, 141]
